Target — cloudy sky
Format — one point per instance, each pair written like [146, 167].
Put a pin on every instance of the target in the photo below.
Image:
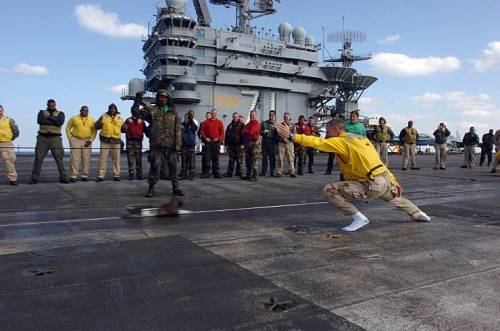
[435, 60]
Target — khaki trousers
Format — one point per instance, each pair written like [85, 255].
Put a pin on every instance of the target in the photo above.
[79, 155]
[470, 156]
[440, 160]
[9, 158]
[114, 150]
[383, 151]
[410, 150]
[342, 193]
[285, 150]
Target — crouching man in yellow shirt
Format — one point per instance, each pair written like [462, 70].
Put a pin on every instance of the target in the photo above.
[366, 176]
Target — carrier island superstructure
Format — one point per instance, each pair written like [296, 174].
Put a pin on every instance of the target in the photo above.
[244, 68]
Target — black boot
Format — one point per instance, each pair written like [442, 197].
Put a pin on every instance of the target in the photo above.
[177, 191]
[151, 191]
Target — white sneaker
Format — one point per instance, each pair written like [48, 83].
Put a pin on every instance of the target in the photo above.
[421, 217]
[358, 221]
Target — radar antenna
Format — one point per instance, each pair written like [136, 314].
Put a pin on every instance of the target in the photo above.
[246, 13]
[347, 37]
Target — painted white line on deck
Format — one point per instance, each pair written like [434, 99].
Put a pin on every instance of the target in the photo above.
[260, 207]
[182, 212]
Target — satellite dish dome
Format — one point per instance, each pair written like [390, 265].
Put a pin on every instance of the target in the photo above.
[136, 85]
[284, 30]
[285, 27]
[299, 35]
[309, 41]
[176, 3]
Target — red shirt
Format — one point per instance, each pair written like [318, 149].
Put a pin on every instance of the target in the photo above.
[251, 132]
[213, 129]
[135, 129]
[303, 129]
[313, 131]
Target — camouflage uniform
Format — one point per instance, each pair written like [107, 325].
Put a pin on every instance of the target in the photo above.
[252, 150]
[165, 141]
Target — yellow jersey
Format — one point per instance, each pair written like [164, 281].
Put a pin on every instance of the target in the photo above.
[6, 133]
[81, 127]
[357, 158]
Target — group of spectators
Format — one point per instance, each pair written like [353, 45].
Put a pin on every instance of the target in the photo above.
[245, 140]
[408, 138]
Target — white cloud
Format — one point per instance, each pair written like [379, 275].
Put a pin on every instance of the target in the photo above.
[461, 110]
[367, 104]
[403, 65]
[390, 39]
[490, 57]
[95, 19]
[428, 99]
[26, 69]
[116, 88]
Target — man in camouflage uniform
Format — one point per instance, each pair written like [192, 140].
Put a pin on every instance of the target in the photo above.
[269, 143]
[165, 139]
[251, 135]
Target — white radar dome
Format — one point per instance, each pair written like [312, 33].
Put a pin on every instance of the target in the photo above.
[176, 3]
[299, 35]
[136, 85]
[309, 41]
[284, 30]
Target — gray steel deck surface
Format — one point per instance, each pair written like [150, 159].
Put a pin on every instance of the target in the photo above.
[394, 274]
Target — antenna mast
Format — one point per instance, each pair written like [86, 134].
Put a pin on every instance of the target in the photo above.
[246, 13]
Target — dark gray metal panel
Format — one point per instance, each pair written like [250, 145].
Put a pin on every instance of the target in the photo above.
[164, 283]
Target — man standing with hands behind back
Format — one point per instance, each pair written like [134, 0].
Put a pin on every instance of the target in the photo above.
[80, 131]
[408, 138]
[212, 133]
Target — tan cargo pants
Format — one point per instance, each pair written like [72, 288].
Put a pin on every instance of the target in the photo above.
[341, 194]
[114, 150]
[470, 156]
[9, 158]
[440, 160]
[79, 155]
[383, 151]
[285, 150]
[410, 151]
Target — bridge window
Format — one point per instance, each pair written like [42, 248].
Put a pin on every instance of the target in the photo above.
[200, 33]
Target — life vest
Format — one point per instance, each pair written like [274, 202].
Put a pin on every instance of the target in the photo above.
[52, 129]
[382, 134]
[135, 129]
[410, 136]
[111, 127]
[6, 134]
